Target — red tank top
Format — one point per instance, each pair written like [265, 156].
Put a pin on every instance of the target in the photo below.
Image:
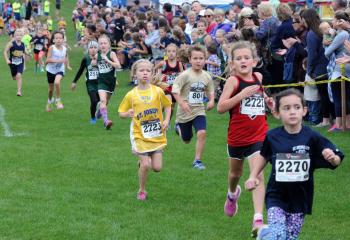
[246, 125]
[170, 73]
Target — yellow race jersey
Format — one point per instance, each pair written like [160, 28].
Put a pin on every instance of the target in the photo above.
[146, 132]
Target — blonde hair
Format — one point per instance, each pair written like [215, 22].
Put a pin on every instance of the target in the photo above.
[157, 81]
[284, 12]
[244, 45]
[105, 37]
[265, 9]
[137, 63]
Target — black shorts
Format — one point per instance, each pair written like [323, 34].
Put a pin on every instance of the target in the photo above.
[51, 77]
[244, 151]
[199, 123]
[58, 6]
[16, 69]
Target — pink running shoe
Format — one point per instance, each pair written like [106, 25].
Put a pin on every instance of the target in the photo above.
[257, 224]
[142, 196]
[231, 206]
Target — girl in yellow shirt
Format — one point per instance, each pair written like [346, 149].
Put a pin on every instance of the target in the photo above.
[144, 105]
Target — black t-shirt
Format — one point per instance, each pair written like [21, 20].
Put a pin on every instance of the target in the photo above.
[119, 29]
[290, 195]
[39, 43]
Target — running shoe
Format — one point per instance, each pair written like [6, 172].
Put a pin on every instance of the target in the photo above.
[48, 107]
[264, 233]
[59, 104]
[334, 129]
[198, 165]
[108, 124]
[177, 129]
[142, 196]
[93, 121]
[231, 205]
[257, 224]
[19, 94]
[98, 114]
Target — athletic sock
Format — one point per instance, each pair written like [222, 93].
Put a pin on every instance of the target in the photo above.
[104, 114]
[258, 216]
[49, 101]
[230, 194]
[58, 99]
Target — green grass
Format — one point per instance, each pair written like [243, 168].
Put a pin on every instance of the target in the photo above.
[66, 179]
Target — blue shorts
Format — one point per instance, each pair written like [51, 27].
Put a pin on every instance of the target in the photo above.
[243, 152]
[16, 69]
[199, 123]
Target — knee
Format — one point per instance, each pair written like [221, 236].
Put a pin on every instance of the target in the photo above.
[57, 84]
[201, 134]
[235, 174]
[144, 164]
[157, 168]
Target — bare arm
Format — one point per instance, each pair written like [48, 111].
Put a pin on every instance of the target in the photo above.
[258, 165]
[7, 49]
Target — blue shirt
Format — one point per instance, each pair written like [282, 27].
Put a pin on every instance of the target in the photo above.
[294, 197]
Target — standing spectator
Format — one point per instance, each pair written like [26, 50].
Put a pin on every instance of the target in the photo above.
[333, 50]
[119, 23]
[58, 8]
[17, 10]
[46, 8]
[167, 8]
[316, 61]
[191, 24]
[209, 18]
[28, 6]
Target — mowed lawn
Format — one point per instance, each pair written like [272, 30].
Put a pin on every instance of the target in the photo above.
[62, 178]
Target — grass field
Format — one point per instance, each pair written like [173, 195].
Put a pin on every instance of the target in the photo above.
[65, 179]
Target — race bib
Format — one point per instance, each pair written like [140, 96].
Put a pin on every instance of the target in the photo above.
[151, 129]
[93, 74]
[254, 105]
[16, 60]
[195, 97]
[104, 67]
[38, 47]
[292, 167]
[170, 79]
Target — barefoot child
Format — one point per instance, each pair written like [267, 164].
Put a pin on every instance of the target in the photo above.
[144, 105]
[295, 152]
[189, 89]
[243, 97]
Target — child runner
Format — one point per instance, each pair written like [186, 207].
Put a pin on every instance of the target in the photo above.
[144, 104]
[57, 59]
[189, 89]
[39, 42]
[170, 70]
[89, 63]
[107, 62]
[16, 59]
[243, 97]
[295, 152]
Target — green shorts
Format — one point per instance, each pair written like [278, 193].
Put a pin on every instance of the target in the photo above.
[92, 86]
[106, 85]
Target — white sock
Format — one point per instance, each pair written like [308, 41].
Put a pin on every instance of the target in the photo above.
[258, 216]
[58, 99]
[232, 195]
[49, 101]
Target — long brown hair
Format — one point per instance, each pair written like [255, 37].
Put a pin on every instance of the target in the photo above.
[312, 20]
